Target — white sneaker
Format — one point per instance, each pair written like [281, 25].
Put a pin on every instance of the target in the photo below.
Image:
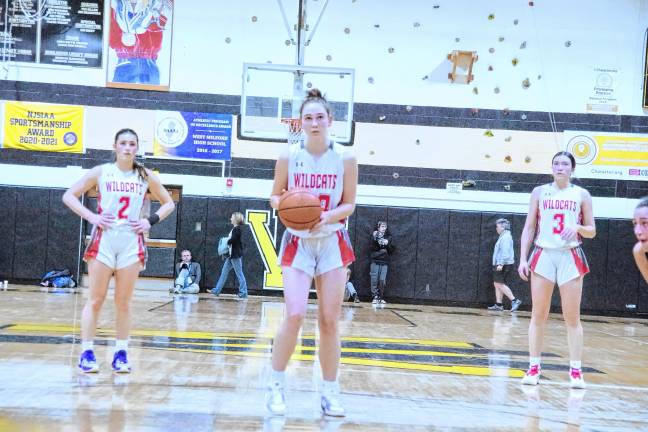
[331, 406]
[275, 399]
[576, 380]
[532, 376]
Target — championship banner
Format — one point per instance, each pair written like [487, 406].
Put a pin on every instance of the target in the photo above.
[43, 127]
[606, 155]
[191, 135]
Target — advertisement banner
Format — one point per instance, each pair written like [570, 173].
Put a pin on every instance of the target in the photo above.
[43, 127]
[191, 135]
[608, 155]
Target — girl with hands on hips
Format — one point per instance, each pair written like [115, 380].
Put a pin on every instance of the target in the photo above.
[117, 243]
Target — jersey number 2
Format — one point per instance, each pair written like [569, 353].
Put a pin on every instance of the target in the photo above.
[560, 226]
[126, 202]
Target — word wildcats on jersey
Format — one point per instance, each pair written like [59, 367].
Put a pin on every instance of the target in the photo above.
[125, 186]
[315, 181]
[559, 204]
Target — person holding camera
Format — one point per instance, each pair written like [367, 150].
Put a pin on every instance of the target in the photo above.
[381, 249]
[188, 275]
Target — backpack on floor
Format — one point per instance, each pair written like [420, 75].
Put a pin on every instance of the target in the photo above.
[58, 279]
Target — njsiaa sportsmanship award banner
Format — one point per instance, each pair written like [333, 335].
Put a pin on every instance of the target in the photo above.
[43, 127]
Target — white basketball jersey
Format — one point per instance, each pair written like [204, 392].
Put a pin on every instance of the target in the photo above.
[324, 177]
[121, 194]
[557, 209]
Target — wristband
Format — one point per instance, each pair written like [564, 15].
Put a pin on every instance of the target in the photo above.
[153, 219]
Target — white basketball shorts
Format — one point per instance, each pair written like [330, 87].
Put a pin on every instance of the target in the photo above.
[317, 255]
[559, 265]
[117, 248]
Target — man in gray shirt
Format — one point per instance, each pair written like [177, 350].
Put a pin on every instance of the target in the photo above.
[503, 260]
[187, 275]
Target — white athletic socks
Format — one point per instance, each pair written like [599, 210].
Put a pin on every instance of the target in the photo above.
[329, 387]
[121, 344]
[87, 345]
[575, 364]
[277, 378]
[534, 361]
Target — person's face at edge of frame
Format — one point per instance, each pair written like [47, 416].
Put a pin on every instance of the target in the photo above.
[315, 120]
[640, 222]
[561, 167]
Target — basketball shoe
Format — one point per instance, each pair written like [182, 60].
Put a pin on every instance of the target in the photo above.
[576, 380]
[331, 406]
[515, 305]
[88, 362]
[120, 362]
[532, 376]
[275, 399]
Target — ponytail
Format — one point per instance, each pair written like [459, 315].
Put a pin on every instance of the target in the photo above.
[315, 95]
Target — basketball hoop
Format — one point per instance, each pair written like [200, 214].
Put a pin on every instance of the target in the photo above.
[293, 130]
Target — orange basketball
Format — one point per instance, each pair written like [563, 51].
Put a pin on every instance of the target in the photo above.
[299, 209]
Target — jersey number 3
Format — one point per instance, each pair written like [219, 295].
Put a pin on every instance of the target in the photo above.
[126, 202]
[325, 201]
[559, 219]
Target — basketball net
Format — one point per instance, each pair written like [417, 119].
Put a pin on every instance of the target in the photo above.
[293, 130]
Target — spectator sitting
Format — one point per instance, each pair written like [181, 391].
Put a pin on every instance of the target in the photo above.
[188, 275]
[349, 290]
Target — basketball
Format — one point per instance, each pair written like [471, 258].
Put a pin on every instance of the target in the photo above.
[299, 209]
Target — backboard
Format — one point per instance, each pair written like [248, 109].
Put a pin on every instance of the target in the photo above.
[274, 92]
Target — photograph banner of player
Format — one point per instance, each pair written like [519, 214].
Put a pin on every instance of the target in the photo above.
[43, 127]
[605, 155]
[192, 135]
[139, 54]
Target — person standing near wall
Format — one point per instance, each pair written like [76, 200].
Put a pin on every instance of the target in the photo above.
[640, 250]
[235, 258]
[117, 243]
[321, 254]
[560, 213]
[381, 249]
[503, 260]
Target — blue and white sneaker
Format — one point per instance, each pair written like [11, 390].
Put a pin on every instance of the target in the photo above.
[331, 406]
[275, 399]
[120, 362]
[88, 362]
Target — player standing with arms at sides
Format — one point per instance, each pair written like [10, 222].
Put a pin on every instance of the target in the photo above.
[117, 243]
[640, 250]
[321, 253]
[560, 213]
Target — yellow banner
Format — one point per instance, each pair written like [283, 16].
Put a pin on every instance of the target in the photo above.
[43, 127]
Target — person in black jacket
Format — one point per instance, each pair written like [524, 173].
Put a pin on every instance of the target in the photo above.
[235, 259]
[381, 248]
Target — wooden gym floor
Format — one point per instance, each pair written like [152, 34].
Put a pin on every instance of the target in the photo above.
[200, 363]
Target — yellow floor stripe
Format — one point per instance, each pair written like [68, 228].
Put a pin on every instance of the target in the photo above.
[454, 369]
[344, 350]
[44, 328]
